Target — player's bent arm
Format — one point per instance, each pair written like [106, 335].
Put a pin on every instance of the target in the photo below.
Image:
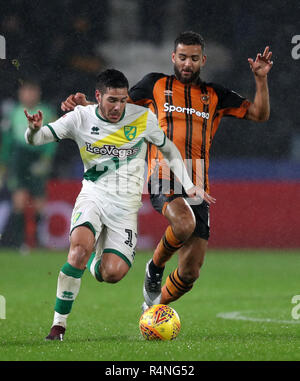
[39, 137]
[259, 110]
[74, 100]
[172, 154]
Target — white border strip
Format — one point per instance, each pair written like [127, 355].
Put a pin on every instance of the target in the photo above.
[237, 315]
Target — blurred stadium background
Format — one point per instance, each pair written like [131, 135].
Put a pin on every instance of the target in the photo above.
[255, 168]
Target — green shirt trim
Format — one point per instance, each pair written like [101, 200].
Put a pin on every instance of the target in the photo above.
[53, 133]
[107, 121]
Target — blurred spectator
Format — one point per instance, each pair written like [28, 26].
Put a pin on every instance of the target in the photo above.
[26, 168]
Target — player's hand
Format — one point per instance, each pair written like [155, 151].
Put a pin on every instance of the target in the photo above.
[197, 191]
[72, 101]
[262, 64]
[35, 121]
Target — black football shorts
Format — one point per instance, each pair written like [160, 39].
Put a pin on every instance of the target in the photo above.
[162, 193]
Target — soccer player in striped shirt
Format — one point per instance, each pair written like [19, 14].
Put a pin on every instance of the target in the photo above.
[112, 139]
[189, 111]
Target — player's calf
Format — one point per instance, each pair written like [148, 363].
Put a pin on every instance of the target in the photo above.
[174, 288]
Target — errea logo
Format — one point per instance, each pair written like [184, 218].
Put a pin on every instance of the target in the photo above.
[187, 110]
[95, 130]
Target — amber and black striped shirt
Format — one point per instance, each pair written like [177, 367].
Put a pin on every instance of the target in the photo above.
[189, 116]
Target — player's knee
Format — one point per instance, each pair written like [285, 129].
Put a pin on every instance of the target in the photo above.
[113, 271]
[79, 254]
[184, 226]
[110, 275]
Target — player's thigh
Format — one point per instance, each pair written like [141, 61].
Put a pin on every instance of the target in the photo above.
[87, 213]
[178, 210]
[173, 205]
[191, 257]
[120, 240]
[85, 229]
[117, 246]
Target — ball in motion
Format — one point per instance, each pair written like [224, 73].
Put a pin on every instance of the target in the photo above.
[160, 322]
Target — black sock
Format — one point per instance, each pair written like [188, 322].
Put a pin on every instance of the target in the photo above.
[153, 269]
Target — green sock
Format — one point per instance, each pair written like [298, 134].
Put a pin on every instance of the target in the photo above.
[68, 285]
[93, 265]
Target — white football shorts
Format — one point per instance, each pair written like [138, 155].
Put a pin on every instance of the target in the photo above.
[115, 228]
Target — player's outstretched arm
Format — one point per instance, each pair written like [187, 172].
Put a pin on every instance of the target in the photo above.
[74, 100]
[172, 154]
[259, 110]
[35, 122]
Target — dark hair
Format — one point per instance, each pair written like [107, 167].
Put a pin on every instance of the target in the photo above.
[29, 81]
[111, 78]
[189, 38]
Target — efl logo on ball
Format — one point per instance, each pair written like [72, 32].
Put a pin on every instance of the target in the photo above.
[160, 322]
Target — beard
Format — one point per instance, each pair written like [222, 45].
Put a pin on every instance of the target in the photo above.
[193, 78]
[102, 111]
[108, 115]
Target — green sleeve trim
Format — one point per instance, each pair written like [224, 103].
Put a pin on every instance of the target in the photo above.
[114, 251]
[53, 133]
[164, 142]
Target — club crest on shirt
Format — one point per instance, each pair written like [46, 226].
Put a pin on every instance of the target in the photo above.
[130, 132]
[76, 217]
[205, 99]
[168, 92]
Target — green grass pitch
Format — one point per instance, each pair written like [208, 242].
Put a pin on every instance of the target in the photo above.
[239, 310]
